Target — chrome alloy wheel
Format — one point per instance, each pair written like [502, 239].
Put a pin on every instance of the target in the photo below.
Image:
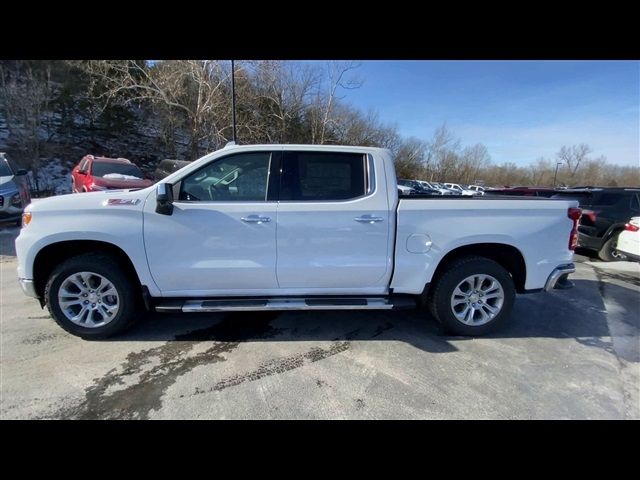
[88, 299]
[477, 299]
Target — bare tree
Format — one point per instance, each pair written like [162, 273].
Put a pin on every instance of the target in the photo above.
[409, 160]
[195, 89]
[322, 111]
[26, 95]
[573, 156]
[282, 92]
[541, 171]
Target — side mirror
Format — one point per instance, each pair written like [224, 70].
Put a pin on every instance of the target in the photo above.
[164, 199]
[21, 171]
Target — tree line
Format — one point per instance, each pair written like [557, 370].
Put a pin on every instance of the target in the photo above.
[183, 109]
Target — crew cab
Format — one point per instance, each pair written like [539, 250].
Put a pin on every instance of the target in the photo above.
[289, 227]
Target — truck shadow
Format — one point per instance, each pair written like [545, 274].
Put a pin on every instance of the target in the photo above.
[578, 313]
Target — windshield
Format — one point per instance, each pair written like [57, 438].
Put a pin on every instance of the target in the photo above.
[4, 169]
[100, 169]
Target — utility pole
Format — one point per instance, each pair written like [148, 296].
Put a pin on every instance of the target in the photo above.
[556, 174]
[233, 99]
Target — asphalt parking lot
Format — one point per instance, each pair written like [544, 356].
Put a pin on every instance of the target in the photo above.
[565, 355]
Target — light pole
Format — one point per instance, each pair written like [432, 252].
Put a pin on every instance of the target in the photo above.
[556, 174]
[233, 99]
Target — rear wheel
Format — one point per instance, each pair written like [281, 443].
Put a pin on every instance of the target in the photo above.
[89, 296]
[473, 296]
[608, 252]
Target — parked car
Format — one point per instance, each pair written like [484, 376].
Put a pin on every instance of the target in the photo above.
[442, 190]
[463, 191]
[167, 167]
[442, 187]
[476, 188]
[14, 190]
[289, 227]
[523, 191]
[605, 211]
[404, 190]
[629, 240]
[418, 187]
[100, 173]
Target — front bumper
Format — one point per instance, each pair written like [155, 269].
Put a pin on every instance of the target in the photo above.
[558, 278]
[28, 287]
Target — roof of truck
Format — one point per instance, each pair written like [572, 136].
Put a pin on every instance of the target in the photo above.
[307, 146]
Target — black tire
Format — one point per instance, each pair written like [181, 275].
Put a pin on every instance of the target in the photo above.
[106, 266]
[454, 273]
[608, 252]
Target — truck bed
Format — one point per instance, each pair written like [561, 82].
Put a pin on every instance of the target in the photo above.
[430, 227]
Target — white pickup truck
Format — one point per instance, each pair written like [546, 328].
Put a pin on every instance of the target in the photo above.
[289, 227]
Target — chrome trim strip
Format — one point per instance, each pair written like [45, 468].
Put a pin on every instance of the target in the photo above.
[28, 288]
[556, 274]
[280, 304]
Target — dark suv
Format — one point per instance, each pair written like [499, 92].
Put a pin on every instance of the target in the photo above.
[604, 214]
[167, 167]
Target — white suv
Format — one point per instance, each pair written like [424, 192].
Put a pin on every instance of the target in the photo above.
[629, 240]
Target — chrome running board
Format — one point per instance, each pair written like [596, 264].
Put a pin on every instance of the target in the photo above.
[258, 304]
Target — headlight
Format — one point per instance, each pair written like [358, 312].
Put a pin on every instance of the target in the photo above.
[96, 188]
[16, 201]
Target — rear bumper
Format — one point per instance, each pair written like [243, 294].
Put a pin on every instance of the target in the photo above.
[589, 242]
[561, 272]
[28, 288]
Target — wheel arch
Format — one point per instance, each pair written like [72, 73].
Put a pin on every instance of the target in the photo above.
[55, 253]
[508, 256]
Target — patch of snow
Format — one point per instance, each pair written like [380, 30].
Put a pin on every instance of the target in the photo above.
[53, 176]
[121, 176]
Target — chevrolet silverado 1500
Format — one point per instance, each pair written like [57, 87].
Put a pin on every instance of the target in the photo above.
[289, 227]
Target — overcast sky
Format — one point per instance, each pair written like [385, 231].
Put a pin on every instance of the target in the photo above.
[520, 110]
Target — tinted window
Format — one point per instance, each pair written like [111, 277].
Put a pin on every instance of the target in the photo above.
[310, 176]
[241, 177]
[100, 169]
[635, 203]
[4, 169]
[607, 199]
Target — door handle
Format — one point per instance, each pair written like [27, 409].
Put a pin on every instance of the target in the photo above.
[368, 219]
[255, 219]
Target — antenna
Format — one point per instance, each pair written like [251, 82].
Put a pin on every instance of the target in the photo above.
[233, 99]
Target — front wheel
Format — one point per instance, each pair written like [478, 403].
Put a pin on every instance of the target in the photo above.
[473, 296]
[89, 296]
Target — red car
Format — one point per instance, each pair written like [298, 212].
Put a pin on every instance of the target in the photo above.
[99, 173]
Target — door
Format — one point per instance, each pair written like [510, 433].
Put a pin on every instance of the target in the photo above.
[333, 224]
[221, 237]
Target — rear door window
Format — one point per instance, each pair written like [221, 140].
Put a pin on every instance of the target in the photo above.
[323, 176]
